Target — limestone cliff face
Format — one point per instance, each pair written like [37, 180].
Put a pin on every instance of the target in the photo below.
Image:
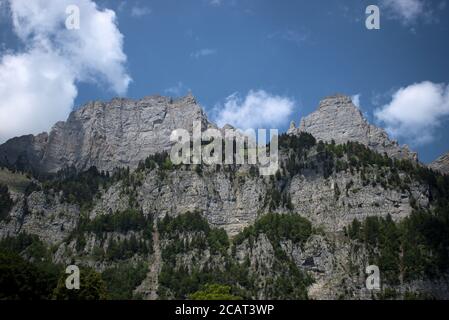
[44, 215]
[441, 164]
[230, 202]
[315, 198]
[118, 133]
[338, 119]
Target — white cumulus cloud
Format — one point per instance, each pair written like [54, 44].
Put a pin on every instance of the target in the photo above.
[416, 112]
[259, 109]
[38, 83]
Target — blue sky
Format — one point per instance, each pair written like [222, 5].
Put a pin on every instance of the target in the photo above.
[289, 54]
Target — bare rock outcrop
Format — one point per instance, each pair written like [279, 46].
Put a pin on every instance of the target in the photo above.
[441, 164]
[118, 133]
[338, 119]
[46, 216]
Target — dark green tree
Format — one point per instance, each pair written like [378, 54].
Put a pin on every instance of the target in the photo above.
[92, 287]
[5, 201]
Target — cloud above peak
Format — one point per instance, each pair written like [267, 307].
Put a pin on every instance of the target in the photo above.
[54, 60]
[259, 109]
[416, 112]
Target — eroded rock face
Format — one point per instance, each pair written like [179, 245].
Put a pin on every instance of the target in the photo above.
[441, 164]
[229, 203]
[118, 133]
[46, 216]
[338, 119]
[25, 151]
[316, 199]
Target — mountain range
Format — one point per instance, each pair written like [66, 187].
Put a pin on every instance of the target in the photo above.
[99, 190]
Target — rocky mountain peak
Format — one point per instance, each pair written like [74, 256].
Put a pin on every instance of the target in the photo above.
[120, 132]
[441, 164]
[338, 119]
[336, 101]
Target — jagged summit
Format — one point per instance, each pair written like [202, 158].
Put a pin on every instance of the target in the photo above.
[120, 132]
[441, 164]
[338, 119]
[338, 100]
[119, 102]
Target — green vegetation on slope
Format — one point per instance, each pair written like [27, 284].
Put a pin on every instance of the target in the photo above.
[415, 248]
[190, 235]
[77, 187]
[15, 181]
[130, 222]
[27, 272]
[22, 279]
[214, 292]
[123, 278]
[92, 287]
[277, 228]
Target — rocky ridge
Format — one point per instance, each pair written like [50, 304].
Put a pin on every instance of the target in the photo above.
[118, 133]
[338, 119]
[441, 164]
